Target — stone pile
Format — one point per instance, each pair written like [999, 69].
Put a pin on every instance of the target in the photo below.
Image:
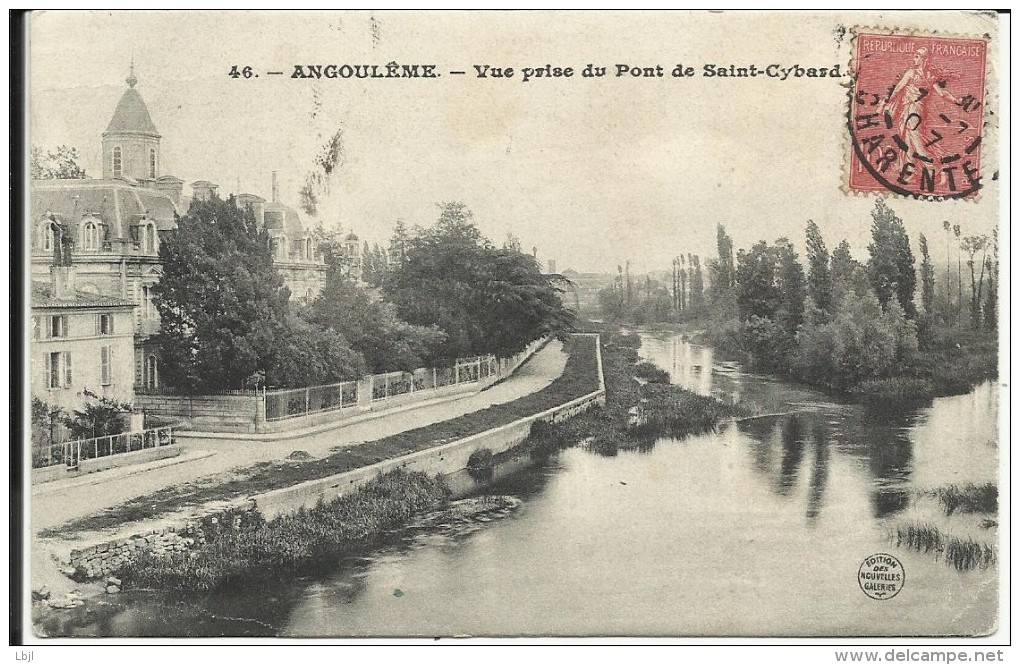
[105, 559]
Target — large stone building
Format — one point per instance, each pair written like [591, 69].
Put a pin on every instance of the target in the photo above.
[110, 228]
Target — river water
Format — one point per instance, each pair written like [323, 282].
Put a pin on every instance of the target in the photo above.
[757, 529]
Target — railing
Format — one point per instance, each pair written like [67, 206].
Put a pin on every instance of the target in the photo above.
[72, 452]
[281, 404]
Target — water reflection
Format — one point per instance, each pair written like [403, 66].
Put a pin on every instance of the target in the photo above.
[659, 542]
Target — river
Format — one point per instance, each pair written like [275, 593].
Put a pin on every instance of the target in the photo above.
[757, 529]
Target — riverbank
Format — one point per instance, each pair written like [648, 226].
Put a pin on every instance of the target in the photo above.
[579, 377]
[952, 361]
[641, 406]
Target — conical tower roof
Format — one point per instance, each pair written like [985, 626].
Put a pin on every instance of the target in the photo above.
[131, 115]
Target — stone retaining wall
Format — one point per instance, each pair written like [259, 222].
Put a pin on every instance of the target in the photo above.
[107, 558]
[104, 559]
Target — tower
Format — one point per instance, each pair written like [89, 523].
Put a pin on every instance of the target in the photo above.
[131, 141]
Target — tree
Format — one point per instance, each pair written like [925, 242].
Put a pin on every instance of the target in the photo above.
[959, 273]
[486, 299]
[58, 164]
[372, 328]
[791, 285]
[972, 245]
[398, 242]
[757, 289]
[992, 303]
[222, 304]
[927, 280]
[98, 416]
[819, 277]
[891, 266]
[949, 305]
[697, 286]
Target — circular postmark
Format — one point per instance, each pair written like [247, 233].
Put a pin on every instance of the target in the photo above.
[881, 576]
[916, 115]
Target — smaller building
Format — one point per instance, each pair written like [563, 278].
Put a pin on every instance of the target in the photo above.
[80, 341]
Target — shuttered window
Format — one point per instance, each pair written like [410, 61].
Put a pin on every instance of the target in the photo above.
[105, 354]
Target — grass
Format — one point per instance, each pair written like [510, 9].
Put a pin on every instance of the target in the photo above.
[651, 372]
[580, 377]
[665, 410]
[242, 548]
[963, 555]
[969, 498]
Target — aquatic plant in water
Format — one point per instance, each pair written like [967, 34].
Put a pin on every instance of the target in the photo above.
[962, 554]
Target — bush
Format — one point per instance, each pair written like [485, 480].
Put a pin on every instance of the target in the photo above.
[242, 547]
[651, 372]
[480, 464]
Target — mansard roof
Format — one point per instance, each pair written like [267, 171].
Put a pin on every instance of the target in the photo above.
[42, 297]
[132, 116]
[117, 203]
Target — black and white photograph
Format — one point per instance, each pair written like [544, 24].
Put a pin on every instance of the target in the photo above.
[515, 324]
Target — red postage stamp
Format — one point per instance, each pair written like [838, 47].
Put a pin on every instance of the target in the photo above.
[915, 116]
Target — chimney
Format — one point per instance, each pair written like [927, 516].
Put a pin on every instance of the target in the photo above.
[62, 282]
[276, 189]
[171, 187]
[204, 189]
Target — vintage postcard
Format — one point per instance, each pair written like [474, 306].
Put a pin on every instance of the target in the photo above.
[406, 324]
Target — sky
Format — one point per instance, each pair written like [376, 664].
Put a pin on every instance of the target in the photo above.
[592, 172]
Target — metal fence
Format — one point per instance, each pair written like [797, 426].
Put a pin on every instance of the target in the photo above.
[71, 452]
[283, 404]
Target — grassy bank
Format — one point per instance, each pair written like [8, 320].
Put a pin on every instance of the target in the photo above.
[242, 548]
[663, 410]
[579, 378]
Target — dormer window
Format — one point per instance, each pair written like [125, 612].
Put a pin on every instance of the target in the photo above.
[118, 162]
[308, 249]
[150, 239]
[152, 163]
[90, 236]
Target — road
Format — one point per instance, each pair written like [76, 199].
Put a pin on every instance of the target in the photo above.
[57, 502]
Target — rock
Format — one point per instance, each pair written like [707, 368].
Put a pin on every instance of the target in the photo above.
[42, 593]
[113, 580]
[300, 455]
[112, 589]
[69, 570]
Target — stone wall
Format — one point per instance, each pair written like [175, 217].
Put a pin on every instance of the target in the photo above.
[107, 558]
[208, 413]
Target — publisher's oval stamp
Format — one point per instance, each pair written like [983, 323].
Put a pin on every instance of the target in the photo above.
[915, 115]
[881, 576]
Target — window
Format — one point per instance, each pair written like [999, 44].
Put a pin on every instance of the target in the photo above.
[152, 163]
[104, 365]
[58, 370]
[49, 236]
[90, 236]
[150, 239]
[58, 326]
[151, 378]
[118, 163]
[35, 327]
[146, 302]
[104, 324]
[308, 248]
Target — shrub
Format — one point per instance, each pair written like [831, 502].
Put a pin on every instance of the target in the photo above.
[651, 372]
[480, 464]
